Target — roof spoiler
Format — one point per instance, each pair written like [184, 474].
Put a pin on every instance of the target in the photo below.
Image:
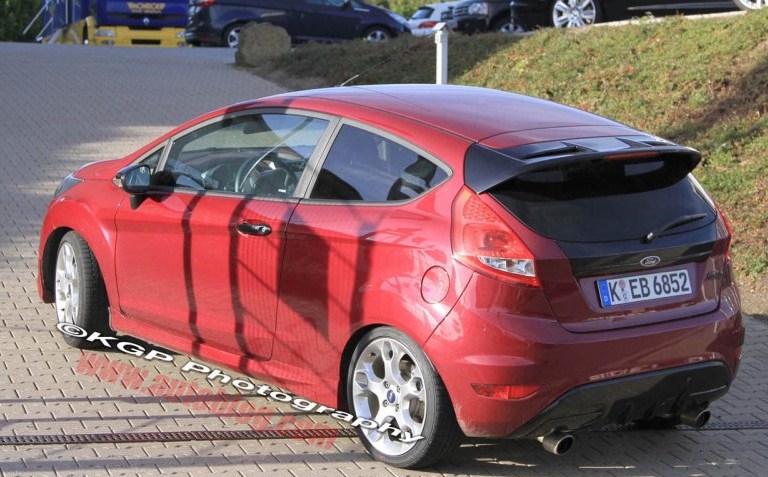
[486, 168]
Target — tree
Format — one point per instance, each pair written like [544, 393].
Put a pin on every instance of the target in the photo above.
[14, 17]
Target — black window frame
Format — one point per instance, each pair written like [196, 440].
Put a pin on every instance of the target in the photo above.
[318, 166]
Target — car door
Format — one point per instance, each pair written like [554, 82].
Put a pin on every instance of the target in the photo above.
[359, 245]
[200, 257]
[328, 20]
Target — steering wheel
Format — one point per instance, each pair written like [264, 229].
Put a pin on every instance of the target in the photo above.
[250, 166]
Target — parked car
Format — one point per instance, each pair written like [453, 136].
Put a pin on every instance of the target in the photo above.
[426, 17]
[438, 260]
[530, 14]
[218, 22]
[474, 16]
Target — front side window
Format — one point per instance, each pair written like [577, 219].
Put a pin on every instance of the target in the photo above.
[262, 155]
[153, 160]
[364, 166]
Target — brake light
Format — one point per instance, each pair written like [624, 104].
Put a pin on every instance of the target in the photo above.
[728, 228]
[631, 155]
[483, 242]
[428, 24]
[205, 3]
[505, 391]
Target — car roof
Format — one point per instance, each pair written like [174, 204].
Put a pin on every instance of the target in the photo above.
[469, 112]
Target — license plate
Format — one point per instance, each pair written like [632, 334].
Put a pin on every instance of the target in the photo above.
[619, 291]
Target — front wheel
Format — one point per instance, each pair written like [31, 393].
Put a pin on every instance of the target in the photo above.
[81, 298]
[751, 4]
[575, 13]
[391, 382]
[377, 34]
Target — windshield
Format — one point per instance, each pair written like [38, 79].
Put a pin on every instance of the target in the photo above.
[604, 200]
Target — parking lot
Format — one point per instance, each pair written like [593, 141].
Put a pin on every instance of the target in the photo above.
[63, 106]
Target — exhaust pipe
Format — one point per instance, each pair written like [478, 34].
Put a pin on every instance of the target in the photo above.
[695, 417]
[557, 443]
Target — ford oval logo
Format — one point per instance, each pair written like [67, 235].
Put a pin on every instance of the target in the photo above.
[650, 261]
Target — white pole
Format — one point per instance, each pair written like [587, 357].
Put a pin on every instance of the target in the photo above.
[441, 40]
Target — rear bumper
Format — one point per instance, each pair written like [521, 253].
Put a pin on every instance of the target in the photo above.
[203, 36]
[504, 334]
[664, 393]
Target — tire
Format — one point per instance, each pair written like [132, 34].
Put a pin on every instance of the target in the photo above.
[751, 4]
[504, 24]
[80, 296]
[389, 367]
[231, 37]
[575, 13]
[377, 34]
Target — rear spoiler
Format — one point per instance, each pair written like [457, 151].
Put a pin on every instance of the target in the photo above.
[486, 168]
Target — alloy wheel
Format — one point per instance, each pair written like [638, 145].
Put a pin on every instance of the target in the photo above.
[574, 13]
[388, 387]
[751, 4]
[67, 285]
[376, 35]
[233, 37]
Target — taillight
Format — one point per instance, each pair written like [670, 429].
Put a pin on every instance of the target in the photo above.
[204, 3]
[483, 242]
[728, 228]
[428, 24]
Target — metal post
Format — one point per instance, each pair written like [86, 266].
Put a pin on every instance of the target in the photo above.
[441, 40]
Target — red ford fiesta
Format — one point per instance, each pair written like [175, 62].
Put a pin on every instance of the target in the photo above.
[446, 260]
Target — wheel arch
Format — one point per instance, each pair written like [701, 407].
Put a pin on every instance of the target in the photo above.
[349, 349]
[94, 228]
[48, 261]
[504, 14]
[346, 357]
[236, 22]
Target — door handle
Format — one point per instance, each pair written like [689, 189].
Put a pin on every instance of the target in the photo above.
[248, 228]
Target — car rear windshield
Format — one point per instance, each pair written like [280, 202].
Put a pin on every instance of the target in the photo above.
[605, 200]
[422, 13]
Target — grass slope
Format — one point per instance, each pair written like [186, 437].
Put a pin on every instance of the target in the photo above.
[701, 83]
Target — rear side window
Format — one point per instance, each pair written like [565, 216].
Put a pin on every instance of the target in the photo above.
[605, 200]
[364, 166]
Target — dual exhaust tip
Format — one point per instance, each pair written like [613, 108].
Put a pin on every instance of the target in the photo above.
[559, 442]
[695, 417]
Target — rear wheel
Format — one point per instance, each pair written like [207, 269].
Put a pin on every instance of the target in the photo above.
[376, 34]
[391, 381]
[751, 4]
[575, 13]
[506, 25]
[81, 298]
[232, 36]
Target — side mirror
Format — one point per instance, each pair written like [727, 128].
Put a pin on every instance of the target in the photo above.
[134, 179]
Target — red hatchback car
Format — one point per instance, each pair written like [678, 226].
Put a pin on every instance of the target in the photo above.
[440, 260]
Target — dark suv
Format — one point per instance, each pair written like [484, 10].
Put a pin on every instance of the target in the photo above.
[473, 16]
[218, 22]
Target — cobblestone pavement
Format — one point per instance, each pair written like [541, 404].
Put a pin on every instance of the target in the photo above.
[63, 106]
